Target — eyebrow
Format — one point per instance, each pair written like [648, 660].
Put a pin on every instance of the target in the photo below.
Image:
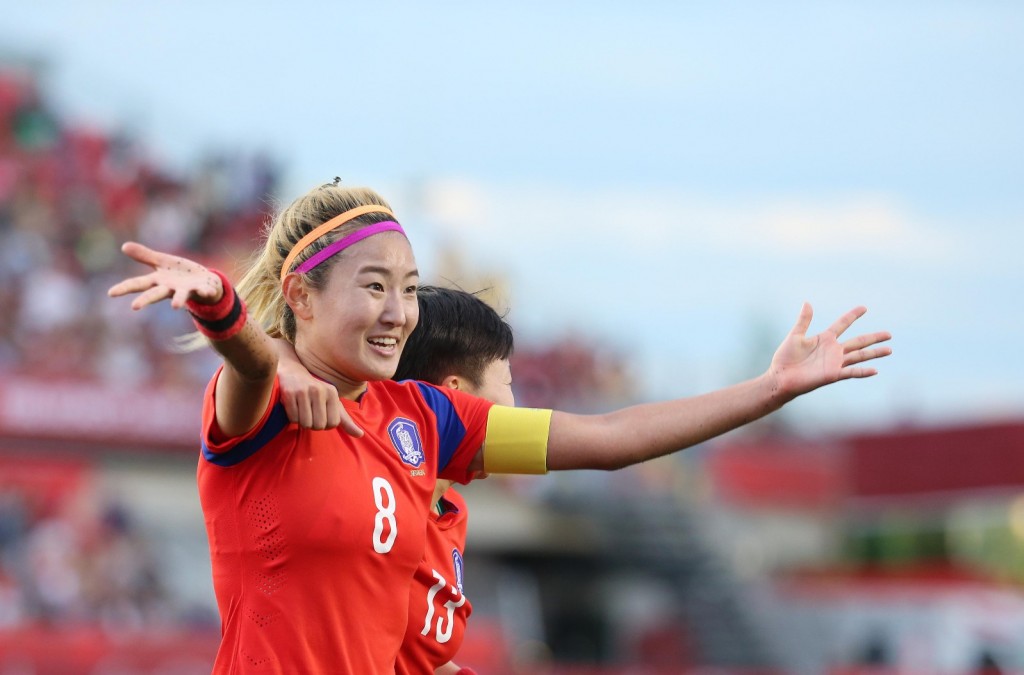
[385, 271]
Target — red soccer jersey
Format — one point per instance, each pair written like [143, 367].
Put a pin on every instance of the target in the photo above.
[315, 535]
[438, 610]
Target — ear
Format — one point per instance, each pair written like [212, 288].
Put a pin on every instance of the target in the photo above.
[297, 296]
[452, 382]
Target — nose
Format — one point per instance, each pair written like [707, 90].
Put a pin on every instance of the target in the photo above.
[400, 310]
[394, 313]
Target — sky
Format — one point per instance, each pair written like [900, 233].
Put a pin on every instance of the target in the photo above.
[668, 180]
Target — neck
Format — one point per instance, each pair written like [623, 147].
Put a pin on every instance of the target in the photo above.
[347, 387]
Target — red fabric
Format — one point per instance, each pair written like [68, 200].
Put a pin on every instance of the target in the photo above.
[205, 315]
[304, 581]
[437, 606]
[219, 309]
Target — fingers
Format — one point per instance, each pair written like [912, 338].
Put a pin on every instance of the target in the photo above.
[338, 417]
[866, 340]
[846, 320]
[863, 355]
[856, 373]
[142, 254]
[350, 427]
[334, 411]
[291, 407]
[132, 285]
[179, 298]
[159, 260]
[312, 411]
[855, 350]
[320, 408]
[300, 407]
[803, 322]
[151, 296]
[315, 405]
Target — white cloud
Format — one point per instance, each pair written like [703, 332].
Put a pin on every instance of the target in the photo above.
[867, 225]
[665, 222]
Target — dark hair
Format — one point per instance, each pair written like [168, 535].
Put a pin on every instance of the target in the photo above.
[457, 334]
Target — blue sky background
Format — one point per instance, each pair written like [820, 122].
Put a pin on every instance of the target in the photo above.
[669, 179]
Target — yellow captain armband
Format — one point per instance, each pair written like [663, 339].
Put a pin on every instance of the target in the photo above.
[517, 440]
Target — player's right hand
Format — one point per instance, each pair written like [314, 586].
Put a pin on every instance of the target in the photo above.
[173, 277]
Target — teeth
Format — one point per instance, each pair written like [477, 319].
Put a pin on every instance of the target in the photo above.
[384, 342]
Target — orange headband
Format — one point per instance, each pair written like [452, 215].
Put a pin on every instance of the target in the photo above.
[320, 231]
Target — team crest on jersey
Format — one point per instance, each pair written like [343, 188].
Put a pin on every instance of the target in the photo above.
[406, 439]
[457, 563]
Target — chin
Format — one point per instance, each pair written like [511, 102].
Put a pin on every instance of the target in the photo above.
[382, 372]
[374, 367]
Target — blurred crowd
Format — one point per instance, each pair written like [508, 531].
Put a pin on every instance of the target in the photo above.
[69, 196]
[81, 561]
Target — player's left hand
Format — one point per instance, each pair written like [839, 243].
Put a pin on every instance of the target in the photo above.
[310, 402]
[803, 363]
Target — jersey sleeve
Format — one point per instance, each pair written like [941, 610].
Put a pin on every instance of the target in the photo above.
[461, 426]
[230, 451]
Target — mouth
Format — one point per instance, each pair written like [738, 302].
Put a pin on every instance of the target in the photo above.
[386, 346]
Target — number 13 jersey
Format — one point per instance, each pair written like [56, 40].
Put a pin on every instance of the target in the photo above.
[438, 609]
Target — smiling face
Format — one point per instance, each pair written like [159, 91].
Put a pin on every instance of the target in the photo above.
[354, 329]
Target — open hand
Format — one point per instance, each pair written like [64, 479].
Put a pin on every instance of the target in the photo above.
[179, 279]
[803, 363]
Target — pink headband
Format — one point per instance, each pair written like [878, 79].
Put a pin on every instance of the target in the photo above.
[324, 228]
[343, 243]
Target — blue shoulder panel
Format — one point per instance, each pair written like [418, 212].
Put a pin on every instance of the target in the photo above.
[276, 421]
[450, 429]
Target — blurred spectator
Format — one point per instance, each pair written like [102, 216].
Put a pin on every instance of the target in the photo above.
[571, 374]
[68, 198]
[81, 560]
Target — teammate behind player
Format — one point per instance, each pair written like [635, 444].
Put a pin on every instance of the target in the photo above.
[298, 571]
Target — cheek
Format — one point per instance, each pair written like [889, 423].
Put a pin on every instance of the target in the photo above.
[412, 316]
[501, 395]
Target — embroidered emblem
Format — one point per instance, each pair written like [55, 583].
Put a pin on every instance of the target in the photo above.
[406, 439]
[457, 562]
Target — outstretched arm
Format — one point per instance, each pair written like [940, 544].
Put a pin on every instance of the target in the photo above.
[632, 435]
[250, 361]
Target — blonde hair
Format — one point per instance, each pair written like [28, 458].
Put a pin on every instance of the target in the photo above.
[260, 285]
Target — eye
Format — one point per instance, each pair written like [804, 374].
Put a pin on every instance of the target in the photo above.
[376, 286]
[411, 290]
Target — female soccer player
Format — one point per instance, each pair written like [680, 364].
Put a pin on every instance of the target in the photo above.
[462, 343]
[308, 581]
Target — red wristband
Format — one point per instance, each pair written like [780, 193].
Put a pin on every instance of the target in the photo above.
[223, 319]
